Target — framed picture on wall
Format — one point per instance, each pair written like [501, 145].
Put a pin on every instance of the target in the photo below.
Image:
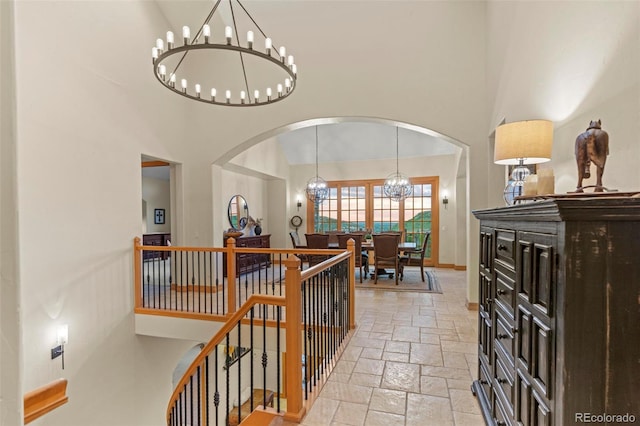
[158, 216]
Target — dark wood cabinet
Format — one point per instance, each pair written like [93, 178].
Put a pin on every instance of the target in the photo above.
[248, 262]
[156, 239]
[559, 311]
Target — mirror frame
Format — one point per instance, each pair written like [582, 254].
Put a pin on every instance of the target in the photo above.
[238, 216]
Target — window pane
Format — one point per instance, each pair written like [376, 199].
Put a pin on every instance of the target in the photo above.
[353, 213]
[417, 215]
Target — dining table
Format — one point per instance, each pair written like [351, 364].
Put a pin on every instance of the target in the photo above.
[368, 246]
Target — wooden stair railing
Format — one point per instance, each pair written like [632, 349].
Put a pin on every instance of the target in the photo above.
[44, 399]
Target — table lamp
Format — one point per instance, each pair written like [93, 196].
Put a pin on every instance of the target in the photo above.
[521, 143]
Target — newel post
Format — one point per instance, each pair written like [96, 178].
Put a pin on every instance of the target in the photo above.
[137, 272]
[293, 295]
[231, 275]
[351, 247]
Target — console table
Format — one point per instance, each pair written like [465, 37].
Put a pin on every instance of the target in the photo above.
[156, 239]
[559, 319]
[248, 262]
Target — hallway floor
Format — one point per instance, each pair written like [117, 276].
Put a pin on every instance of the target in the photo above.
[411, 361]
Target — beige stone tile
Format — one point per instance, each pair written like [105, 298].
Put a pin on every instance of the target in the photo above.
[464, 401]
[347, 392]
[433, 339]
[401, 376]
[351, 353]
[435, 386]
[350, 414]
[321, 413]
[424, 321]
[382, 328]
[425, 354]
[393, 346]
[372, 353]
[339, 377]
[466, 419]
[406, 334]
[369, 366]
[362, 379]
[459, 384]
[377, 418]
[388, 401]
[445, 372]
[428, 410]
[344, 367]
[366, 342]
[463, 347]
[454, 359]
[395, 356]
[446, 324]
[381, 336]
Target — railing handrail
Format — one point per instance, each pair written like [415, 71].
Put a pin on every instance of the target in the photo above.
[316, 269]
[233, 320]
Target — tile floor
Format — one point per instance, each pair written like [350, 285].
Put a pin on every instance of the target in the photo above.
[410, 362]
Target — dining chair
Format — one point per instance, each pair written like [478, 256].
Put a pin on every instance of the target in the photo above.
[317, 241]
[418, 253]
[362, 259]
[295, 241]
[385, 251]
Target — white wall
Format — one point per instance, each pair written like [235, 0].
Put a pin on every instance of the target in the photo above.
[81, 132]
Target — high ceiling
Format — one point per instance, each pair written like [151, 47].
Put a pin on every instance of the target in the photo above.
[338, 142]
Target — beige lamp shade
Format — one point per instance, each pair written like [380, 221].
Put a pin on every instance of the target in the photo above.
[529, 141]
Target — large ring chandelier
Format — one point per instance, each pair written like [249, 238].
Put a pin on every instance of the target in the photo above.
[317, 188]
[215, 79]
[397, 186]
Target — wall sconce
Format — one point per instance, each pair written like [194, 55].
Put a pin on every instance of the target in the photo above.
[298, 201]
[445, 200]
[62, 338]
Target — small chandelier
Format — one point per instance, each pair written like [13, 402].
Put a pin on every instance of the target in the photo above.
[214, 79]
[317, 189]
[397, 186]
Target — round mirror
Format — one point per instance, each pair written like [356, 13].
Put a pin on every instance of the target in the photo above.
[238, 212]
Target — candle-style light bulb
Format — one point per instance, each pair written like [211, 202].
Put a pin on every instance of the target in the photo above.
[228, 96]
[206, 32]
[197, 90]
[213, 94]
[250, 39]
[279, 89]
[256, 96]
[169, 39]
[242, 96]
[287, 84]
[290, 60]
[186, 34]
[294, 69]
[160, 44]
[268, 93]
[183, 82]
[172, 80]
[154, 53]
[267, 45]
[228, 33]
[162, 70]
[283, 53]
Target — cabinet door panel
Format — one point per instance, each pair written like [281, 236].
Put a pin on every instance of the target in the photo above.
[523, 339]
[523, 401]
[542, 359]
[536, 272]
[540, 413]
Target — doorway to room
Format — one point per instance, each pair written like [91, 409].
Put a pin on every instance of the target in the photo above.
[156, 202]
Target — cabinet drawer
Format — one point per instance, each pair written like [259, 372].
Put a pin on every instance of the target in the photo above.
[505, 336]
[505, 291]
[485, 380]
[500, 415]
[505, 247]
[503, 383]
